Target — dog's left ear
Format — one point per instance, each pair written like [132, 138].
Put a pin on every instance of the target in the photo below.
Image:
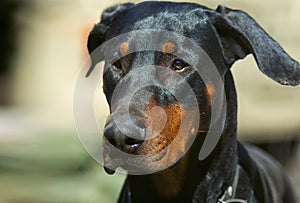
[241, 35]
[98, 34]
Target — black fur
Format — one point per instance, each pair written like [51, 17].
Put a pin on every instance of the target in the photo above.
[227, 36]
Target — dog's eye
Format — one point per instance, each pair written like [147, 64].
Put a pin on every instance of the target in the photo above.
[178, 65]
[117, 64]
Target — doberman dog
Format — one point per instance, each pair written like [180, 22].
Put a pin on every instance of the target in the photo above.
[158, 108]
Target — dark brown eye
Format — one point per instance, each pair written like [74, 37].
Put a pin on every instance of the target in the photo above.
[178, 65]
[118, 64]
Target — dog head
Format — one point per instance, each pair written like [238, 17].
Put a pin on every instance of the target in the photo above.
[153, 78]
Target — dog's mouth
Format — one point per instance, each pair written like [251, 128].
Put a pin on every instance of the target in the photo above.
[165, 143]
[151, 152]
[134, 163]
[152, 156]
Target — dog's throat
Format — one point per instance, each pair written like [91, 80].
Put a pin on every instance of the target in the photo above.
[169, 183]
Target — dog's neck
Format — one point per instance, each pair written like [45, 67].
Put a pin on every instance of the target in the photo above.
[188, 179]
[191, 179]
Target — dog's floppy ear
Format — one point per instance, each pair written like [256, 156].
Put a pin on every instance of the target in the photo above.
[98, 34]
[240, 35]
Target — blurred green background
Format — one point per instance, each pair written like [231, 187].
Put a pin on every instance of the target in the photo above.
[43, 47]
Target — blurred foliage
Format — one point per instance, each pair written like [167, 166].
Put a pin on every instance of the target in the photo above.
[53, 168]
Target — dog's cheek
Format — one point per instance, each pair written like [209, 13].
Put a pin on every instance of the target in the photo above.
[170, 127]
[178, 130]
[210, 91]
[162, 126]
[184, 136]
[174, 115]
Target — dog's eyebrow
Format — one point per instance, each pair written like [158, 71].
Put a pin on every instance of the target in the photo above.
[123, 49]
[168, 47]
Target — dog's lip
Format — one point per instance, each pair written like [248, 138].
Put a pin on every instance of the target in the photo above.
[143, 160]
[135, 161]
[108, 170]
[149, 162]
[161, 155]
[110, 164]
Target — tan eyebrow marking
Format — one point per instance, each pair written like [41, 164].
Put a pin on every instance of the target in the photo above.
[211, 90]
[124, 47]
[168, 47]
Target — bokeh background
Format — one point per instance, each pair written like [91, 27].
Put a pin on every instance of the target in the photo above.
[43, 48]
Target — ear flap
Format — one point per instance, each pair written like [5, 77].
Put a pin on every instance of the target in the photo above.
[240, 35]
[98, 34]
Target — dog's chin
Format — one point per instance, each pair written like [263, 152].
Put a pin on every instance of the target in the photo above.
[140, 164]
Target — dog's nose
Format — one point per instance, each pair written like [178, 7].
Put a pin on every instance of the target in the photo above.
[125, 135]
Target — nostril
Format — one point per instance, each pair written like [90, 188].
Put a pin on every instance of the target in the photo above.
[109, 134]
[111, 141]
[133, 142]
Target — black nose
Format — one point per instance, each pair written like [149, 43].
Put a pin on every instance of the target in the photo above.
[126, 135]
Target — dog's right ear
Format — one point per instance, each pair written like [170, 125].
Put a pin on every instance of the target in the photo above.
[98, 34]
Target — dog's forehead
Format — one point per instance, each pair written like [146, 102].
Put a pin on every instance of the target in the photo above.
[176, 17]
[166, 20]
[185, 19]
[150, 25]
